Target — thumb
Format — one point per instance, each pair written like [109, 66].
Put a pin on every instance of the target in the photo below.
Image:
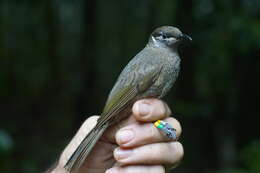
[85, 128]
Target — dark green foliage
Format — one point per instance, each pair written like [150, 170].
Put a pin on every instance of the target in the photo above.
[59, 59]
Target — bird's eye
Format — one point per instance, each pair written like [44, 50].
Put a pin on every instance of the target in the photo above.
[164, 36]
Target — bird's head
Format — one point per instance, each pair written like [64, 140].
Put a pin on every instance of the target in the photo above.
[168, 36]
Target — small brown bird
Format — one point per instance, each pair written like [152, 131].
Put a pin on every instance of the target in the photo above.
[151, 73]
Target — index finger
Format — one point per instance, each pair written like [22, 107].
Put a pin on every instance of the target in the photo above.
[150, 110]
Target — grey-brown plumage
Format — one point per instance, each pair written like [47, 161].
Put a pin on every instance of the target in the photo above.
[151, 73]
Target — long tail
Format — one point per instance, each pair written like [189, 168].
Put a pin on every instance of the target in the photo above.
[85, 147]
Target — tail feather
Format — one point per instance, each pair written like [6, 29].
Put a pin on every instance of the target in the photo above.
[83, 150]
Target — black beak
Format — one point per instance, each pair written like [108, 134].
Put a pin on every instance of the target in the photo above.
[185, 37]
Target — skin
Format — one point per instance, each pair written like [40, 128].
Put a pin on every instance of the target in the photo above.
[134, 145]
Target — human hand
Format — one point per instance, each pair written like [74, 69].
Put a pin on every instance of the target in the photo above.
[132, 146]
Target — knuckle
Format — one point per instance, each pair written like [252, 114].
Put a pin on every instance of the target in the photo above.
[148, 134]
[153, 130]
[151, 135]
[150, 154]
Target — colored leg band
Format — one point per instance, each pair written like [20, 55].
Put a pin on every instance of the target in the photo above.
[166, 128]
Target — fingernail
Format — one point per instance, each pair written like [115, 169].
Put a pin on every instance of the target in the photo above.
[122, 154]
[124, 136]
[144, 109]
[112, 170]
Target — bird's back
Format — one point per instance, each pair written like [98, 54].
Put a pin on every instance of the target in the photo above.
[149, 60]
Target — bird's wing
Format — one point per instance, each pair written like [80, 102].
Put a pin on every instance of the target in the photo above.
[116, 103]
[123, 96]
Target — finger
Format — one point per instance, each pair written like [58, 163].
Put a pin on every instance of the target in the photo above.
[138, 169]
[110, 133]
[160, 110]
[146, 133]
[155, 154]
[85, 128]
[148, 110]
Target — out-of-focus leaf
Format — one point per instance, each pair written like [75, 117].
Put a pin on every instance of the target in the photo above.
[251, 157]
[6, 142]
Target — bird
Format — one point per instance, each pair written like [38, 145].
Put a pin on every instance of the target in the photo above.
[150, 74]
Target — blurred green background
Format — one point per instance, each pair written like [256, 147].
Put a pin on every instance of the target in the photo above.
[60, 58]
